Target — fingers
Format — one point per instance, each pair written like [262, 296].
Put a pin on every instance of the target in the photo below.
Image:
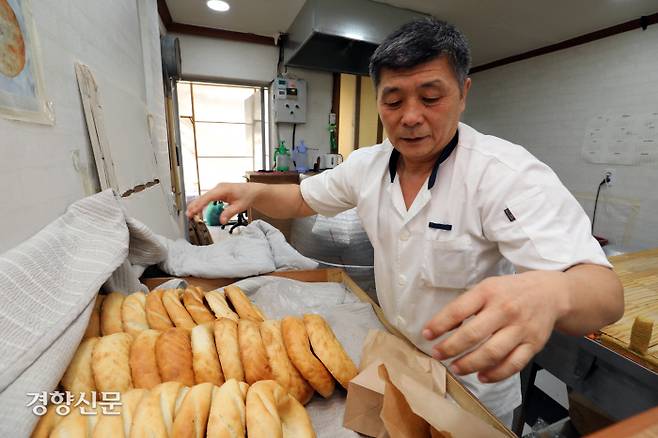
[470, 334]
[511, 365]
[491, 353]
[197, 205]
[230, 211]
[453, 314]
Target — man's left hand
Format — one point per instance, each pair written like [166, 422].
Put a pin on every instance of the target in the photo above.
[504, 320]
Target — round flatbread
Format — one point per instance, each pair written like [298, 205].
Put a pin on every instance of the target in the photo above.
[12, 45]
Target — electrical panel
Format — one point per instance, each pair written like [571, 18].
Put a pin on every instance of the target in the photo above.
[289, 100]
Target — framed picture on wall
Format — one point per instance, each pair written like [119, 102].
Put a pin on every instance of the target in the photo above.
[21, 75]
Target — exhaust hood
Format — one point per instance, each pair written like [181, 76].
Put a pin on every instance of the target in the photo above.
[341, 35]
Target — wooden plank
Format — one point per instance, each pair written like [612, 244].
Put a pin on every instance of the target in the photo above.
[644, 425]
[95, 127]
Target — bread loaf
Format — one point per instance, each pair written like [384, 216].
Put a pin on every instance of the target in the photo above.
[156, 313]
[46, 423]
[74, 425]
[192, 416]
[79, 376]
[283, 370]
[168, 393]
[273, 413]
[226, 341]
[299, 351]
[205, 359]
[227, 411]
[176, 310]
[252, 352]
[242, 305]
[148, 420]
[327, 348]
[217, 302]
[133, 313]
[110, 362]
[173, 352]
[118, 426]
[143, 362]
[111, 314]
[196, 308]
[94, 326]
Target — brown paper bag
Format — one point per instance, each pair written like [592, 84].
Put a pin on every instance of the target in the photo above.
[400, 393]
[444, 417]
[364, 402]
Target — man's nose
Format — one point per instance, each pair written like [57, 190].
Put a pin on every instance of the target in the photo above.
[412, 115]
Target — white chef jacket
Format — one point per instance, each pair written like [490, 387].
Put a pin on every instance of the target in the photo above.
[490, 208]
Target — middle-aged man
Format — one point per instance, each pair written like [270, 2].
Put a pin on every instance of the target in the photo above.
[480, 251]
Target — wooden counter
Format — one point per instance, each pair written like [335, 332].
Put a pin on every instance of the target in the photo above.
[638, 272]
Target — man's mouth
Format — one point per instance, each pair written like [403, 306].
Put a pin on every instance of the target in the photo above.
[414, 139]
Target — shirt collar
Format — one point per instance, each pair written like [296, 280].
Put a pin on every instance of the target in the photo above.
[445, 153]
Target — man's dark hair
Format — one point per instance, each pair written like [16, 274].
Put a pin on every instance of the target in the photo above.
[419, 41]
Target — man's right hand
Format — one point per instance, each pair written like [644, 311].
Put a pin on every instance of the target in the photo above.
[239, 197]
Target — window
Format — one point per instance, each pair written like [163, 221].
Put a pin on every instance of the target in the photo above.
[223, 133]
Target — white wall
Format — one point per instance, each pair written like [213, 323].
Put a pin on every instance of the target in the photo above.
[43, 169]
[546, 103]
[239, 62]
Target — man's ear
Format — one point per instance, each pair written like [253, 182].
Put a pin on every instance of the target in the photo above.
[467, 86]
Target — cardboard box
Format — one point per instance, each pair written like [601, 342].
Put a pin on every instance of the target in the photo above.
[462, 396]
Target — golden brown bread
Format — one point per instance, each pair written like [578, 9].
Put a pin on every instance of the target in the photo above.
[94, 325]
[147, 419]
[173, 352]
[118, 426]
[227, 411]
[156, 313]
[143, 363]
[176, 310]
[242, 304]
[192, 415]
[168, 393]
[283, 370]
[252, 352]
[329, 350]
[226, 341]
[111, 314]
[299, 351]
[79, 376]
[110, 362]
[196, 308]
[46, 423]
[217, 302]
[74, 425]
[273, 413]
[205, 359]
[133, 313]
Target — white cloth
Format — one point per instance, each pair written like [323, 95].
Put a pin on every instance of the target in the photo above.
[258, 249]
[420, 267]
[47, 289]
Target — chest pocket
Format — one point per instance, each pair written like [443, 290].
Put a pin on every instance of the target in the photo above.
[447, 264]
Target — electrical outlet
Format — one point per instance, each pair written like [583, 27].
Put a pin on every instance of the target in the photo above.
[609, 175]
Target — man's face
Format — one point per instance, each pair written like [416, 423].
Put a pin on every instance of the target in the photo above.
[420, 107]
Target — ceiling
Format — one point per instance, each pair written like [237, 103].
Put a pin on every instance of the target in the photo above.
[496, 29]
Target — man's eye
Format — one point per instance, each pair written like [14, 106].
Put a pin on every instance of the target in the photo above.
[431, 99]
[392, 104]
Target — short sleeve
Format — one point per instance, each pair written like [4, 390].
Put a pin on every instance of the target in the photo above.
[535, 220]
[334, 190]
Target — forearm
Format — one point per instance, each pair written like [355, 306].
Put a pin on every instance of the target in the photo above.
[592, 298]
[280, 201]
